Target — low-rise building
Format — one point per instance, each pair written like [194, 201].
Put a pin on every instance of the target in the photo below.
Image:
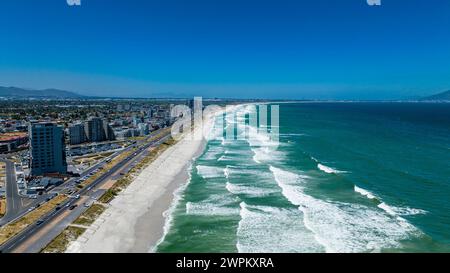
[12, 140]
[42, 184]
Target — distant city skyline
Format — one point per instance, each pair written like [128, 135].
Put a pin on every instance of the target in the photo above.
[236, 49]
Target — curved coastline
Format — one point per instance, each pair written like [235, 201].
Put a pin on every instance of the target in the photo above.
[136, 220]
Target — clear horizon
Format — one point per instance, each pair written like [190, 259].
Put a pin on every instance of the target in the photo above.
[240, 49]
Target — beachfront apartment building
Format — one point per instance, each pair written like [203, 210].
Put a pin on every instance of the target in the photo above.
[47, 149]
[98, 130]
[77, 134]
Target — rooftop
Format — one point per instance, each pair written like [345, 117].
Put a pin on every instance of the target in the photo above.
[11, 136]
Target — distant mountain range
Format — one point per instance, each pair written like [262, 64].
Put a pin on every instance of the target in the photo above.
[444, 96]
[21, 93]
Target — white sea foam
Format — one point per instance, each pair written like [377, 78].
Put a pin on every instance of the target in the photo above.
[261, 154]
[261, 140]
[209, 172]
[365, 193]
[215, 205]
[169, 213]
[400, 211]
[327, 169]
[212, 152]
[265, 154]
[409, 211]
[225, 158]
[246, 170]
[270, 229]
[249, 190]
[392, 210]
[387, 208]
[209, 209]
[343, 227]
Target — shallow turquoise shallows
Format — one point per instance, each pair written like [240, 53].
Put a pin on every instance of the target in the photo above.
[346, 177]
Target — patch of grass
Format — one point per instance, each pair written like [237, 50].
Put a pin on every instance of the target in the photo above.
[2, 174]
[92, 158]
[108, 196]
[123, 182]
[137, 138]
[71, 233]
[108, 166]
[12, 229]
[88, 217]
[2, 207]
[60, 243]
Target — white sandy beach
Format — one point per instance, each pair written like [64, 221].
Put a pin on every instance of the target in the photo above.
[134, 221]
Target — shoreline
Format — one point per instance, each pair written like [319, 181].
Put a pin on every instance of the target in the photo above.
[164, 207]
[136, 220]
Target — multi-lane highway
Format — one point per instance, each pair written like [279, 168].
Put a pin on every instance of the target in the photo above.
[35, 237]
[18, 206]
[15, 204]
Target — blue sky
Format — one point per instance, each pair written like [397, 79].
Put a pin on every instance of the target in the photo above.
[294, 49]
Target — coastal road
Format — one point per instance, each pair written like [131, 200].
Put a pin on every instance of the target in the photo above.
[15, 204]
[18, 206]
[35, 237]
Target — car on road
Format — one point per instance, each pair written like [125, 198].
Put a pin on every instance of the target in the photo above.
[58, 208]
[73, 206]
[39, 222]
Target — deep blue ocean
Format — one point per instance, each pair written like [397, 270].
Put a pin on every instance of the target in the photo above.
[344, 177]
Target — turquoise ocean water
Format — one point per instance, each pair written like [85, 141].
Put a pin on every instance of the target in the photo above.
[345, 177]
